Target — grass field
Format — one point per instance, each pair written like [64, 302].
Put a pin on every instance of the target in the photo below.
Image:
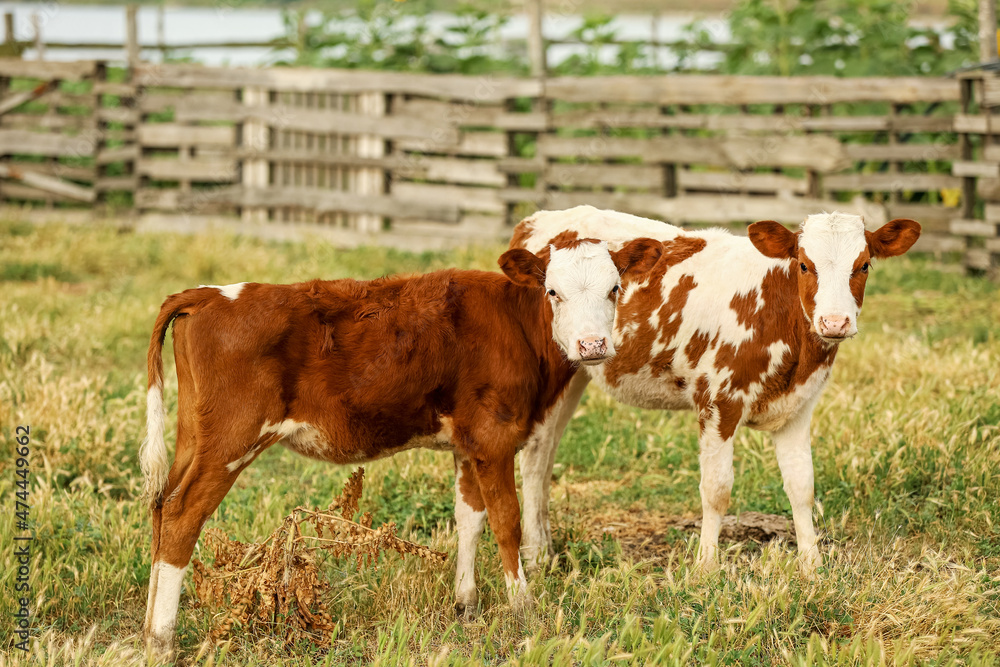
[906, 444]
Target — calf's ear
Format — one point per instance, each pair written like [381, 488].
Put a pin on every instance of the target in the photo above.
[773, 239]
[523, 268]
[893, 238]
[637, 257]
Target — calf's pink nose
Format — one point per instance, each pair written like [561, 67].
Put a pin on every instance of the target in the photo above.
[835, 326]
[593, 347]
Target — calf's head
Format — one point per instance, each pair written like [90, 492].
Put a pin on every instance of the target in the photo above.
[582, 283]
[833, 252]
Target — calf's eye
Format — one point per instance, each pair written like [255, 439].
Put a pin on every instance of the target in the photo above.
[614, 290]
[864, 268]
[803, 267]
[552, 292]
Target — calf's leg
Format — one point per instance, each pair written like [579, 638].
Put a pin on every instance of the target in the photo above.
[496, 483]
[794, 451]
[193, 492]
[470, 517]
[537, 459]
[716, 458]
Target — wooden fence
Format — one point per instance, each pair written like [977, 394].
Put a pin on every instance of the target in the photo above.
[426, 161]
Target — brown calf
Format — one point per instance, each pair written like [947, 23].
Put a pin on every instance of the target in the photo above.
[348, 371]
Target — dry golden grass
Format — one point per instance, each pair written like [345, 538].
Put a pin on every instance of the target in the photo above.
[906, 444]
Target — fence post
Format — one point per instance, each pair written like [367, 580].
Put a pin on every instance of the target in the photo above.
[36, 23]
[255, 139]
[132, 38]
[370, 180]
[536, 41]
[987, 31]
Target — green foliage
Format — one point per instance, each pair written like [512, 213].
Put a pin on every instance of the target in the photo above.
[418, 501]
[377, 34]
[842, 37]
[782, 37]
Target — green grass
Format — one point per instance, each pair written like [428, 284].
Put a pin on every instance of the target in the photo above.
[906, 447]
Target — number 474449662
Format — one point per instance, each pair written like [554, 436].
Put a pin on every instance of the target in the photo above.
[23, 438]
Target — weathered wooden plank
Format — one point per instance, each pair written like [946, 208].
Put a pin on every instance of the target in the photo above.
[712, 89]
[285, 117]
[43, 216]
[461, 171]
[992, 212]
[195, 105]
[123, 115]
[471, 115]
[199, 169]
[975, 169]
[962, 227]
[172, 135]
[55, 122]
[126, 153]
[157, 198]
[991, 152]
[513, 195]
[16, 190]
[116, 183]
[479, 144]
[404, 165]
[113, 88]
[812, 152]
[891, 182]
[48, 184]
[652, 118]
[412, 240]
[902, 152]
[730, 181]
[521, 165]
[971, 123]
[464, 197]
[632, 176]
[929, 242]
[991, 91]
[479, 89]
[47, 70]
[925, 214]
[57, 170]
[399, 205]
[16, 100]
[196, 202]
[25, 142]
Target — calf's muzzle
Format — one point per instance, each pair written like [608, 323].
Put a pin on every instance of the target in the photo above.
[592, 348]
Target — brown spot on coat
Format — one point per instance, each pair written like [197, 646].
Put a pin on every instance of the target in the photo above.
[696, 348]
[468, 486]
[522, 233]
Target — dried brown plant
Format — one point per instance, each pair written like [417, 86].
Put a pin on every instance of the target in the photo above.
[261, 583]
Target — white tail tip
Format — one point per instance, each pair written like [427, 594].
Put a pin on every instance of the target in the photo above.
[153, 457]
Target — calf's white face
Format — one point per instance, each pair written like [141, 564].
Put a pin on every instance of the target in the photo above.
[582, 283]
[834, 254]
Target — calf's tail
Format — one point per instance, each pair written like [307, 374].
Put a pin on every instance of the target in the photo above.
[153, 457]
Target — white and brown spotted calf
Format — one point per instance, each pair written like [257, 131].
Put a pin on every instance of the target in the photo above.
[347, 371]
[743, 330]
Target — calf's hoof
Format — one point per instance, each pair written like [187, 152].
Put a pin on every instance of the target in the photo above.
[466, 612]
[521, 600]
[809, 562]
[535, 559]
[160, 650]
[706, 565]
